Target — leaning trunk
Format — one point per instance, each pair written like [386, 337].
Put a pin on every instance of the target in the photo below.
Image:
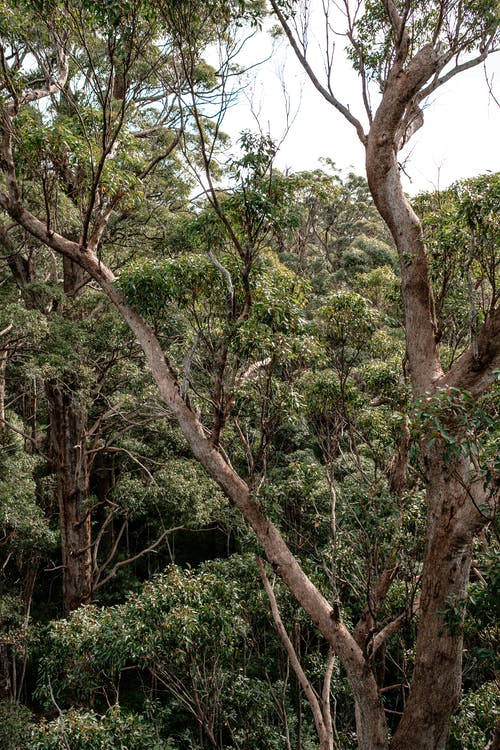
[69, 457]
[3, 364]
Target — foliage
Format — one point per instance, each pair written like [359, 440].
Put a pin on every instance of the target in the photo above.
[465, 425]
[473, 724]
[15, 726]
[375, 41]
[461, 232]
[194, 650]
[276, 300]
[86, 730]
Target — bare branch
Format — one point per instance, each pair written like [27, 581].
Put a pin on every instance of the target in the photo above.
[381, 637]
[132, 559]
[328, 95]
[472, 372]
[25, 436]
[306, 686]
[229, 283]
[458, 68]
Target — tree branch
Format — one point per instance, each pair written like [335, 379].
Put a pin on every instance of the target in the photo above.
[132, 559]
[306, 686]
[328, 95]
[477, 373]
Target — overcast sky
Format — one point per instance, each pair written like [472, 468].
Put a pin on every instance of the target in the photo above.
[460, 137]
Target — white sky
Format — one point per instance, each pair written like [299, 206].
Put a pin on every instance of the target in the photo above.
[460, 137]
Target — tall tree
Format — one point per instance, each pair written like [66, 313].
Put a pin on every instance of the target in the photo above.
[408, 50]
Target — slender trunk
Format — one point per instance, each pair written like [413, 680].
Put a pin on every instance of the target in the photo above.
[3, 364]
[320, 708]
[68, 447]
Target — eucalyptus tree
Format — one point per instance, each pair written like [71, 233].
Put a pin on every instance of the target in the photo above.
[408, 60]
[403, 52]
[74, 380]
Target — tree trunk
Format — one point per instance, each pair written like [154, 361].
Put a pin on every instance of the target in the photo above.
[68, 419]
[437, 678]
[3, 364]
[452, 518]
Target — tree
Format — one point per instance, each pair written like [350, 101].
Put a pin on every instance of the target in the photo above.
[408, 68]
[60, 291]
[408, 50]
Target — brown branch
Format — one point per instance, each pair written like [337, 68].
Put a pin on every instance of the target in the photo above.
[477, 373]
[381, 637]
[306, 686]
[132, 559]
[328, 95]
[25, 436]
[473, 62]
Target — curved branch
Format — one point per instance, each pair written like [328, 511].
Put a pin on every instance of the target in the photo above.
[328, 95]
[477, 373]
[309, 691]
[128, 560]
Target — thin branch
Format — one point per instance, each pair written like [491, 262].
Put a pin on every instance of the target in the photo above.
[129, 560]
[188, 360]
[25, 436]
[328, 95]
[162, 156]
[382, 636]
[229, 283]
[118, 449]
[325, 693]
[61, 716]
[306, 686]
[473, 62]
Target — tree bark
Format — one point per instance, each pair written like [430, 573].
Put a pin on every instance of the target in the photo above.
[452, 522]
[452, 515]
[67, 434]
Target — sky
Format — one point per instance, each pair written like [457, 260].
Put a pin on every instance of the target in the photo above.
[460, 137]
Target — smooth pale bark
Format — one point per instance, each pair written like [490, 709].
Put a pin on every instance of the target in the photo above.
[320, 708]
[3, 365]
[453, 518]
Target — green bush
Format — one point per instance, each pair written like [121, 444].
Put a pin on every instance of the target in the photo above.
[80, 730]
[15, 725]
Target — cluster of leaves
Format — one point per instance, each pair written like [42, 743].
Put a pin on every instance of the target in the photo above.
[461, 231]
[465, 425]
[86, 730]
[199, 653]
